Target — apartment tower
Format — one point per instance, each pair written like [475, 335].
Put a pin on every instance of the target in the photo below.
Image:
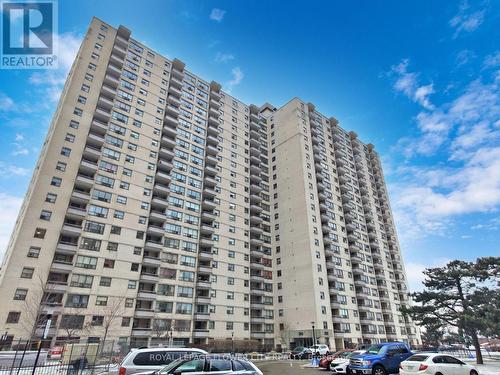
[164, 210]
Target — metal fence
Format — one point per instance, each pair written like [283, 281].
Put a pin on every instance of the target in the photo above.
[78, 357]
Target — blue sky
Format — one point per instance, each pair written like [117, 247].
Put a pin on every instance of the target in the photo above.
[419, 79]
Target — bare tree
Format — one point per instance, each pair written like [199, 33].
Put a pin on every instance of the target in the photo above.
[285, 337]
[36, 306]
[160, 327]
[73, 324]
[112, 313]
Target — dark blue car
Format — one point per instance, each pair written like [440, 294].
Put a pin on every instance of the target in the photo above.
[380, 359]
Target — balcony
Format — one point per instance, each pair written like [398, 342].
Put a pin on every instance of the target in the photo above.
[206, 241]
[159, 202]
[172, 110]
[210, 171]
[153, 245]
[208, 216]
[155, 230]
[174, 100]
[119, 50]
[116, 59]
[151, 261]
[211, 150]
[98, 127]
[176, 82]
[161, 190]
[209, 181]
[166, 153]
[76, 212]
[102, 114]
[67, 248]
[85, 181]
[71, 229]
[172, 90]
[206, 229]
[149, 277]
[209, 204]
[168, 142]
[108, 91]
[162, 177]
[111, 81]
[209, 192]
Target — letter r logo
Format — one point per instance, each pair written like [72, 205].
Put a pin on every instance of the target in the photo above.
[27, 28]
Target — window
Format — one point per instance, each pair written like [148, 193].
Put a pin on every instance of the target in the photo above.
[77, 300]
[101, 300]
[27, 273]
[60, 166]
[56, 181]
[97, 320]
[105, 281]
[45, 215]
[132, 284]
[50, 198]
[125, 322]
[20, 294]
[13, 317]
[109, 263]
[82, 281]
[86, 262]
[33, 252]
[94, 227]
[116, 230]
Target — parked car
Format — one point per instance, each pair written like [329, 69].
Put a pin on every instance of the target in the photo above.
[435, 363]
[380, 359]
[325, 361]
[301, 353]
[320, 349]
[152, 359]
[341, 365]
[208, 364]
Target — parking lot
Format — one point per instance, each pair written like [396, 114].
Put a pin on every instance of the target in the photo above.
[284, 367]
[290, 367]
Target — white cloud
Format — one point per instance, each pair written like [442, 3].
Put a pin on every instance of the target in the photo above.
[466, 20]
[19, 150]
[465, 134]
[9, 207]
[223, 57]
[217, 15]
[237, 77]
[407, 83]
[19, 137]
[493, 224]
[415, 272]
[492, 60]
[6, 103]
[463, 57]
[51, 82]
[8, 170]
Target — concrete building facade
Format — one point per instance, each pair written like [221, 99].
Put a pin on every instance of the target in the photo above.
[163, 207]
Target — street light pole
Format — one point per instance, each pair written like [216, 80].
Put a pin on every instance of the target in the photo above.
[313, 336]
[232, 342]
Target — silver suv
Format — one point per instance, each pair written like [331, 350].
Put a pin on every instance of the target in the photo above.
[152, 359]
[209, 364]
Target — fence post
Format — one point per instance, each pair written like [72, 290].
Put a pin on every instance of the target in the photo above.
[15, 356]
[37, 356]
[22, 357]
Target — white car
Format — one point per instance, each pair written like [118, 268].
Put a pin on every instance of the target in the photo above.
[339, 365]
[435, 363]
[152, 359]
[320, 349]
